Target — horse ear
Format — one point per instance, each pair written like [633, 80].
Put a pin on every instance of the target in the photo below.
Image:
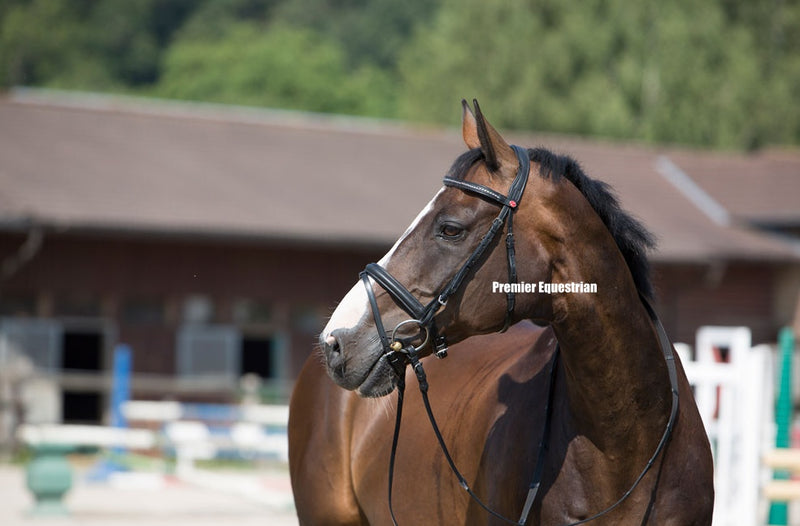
[469, 127]
[496, 151]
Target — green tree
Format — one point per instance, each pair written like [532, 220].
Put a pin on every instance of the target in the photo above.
[43, 40]
[106, 44]
[671, 71]
[722, 73]
[129, 38]
[277, 66]
[212, 19]
[370, 31]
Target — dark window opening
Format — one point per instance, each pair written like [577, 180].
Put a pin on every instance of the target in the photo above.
[82, 351]
[257, 357]
[81, 408]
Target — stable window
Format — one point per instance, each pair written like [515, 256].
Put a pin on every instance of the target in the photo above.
[224, 350]
[208, 350]
[37, 339]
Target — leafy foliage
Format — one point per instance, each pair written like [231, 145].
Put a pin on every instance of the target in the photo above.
[370, 31]
[277, 66]
[673, 71]
[86, 44]
[722, 73]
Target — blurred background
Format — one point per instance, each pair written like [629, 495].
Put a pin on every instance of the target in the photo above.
[721, 74]
[188, 187]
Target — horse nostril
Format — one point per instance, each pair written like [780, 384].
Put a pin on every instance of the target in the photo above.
[332, 344]
[334, 357]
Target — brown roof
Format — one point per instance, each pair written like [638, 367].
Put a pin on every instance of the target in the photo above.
[105, 163]
[762, 187]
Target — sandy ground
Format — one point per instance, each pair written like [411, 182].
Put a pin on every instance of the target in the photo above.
[204, 498]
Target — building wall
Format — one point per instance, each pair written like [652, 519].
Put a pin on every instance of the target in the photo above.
[145, 291]
[730, 294]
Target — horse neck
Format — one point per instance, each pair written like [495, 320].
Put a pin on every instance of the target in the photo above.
[617, 383]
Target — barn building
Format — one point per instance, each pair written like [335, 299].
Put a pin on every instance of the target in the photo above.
[215, 240]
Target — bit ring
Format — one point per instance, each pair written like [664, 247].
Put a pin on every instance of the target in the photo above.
[416, 348]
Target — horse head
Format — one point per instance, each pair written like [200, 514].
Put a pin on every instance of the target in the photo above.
[433, 251]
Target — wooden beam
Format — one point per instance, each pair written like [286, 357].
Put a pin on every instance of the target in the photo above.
[783, 459]
[782, 490]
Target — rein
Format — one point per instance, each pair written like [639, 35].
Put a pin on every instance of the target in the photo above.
[400, 351]
[533, 489]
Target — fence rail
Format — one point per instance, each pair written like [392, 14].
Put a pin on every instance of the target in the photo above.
[734, 389]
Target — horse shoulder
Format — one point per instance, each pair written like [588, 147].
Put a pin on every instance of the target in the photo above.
[320, 417]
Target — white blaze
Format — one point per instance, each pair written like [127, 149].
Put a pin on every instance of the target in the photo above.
[355, 304]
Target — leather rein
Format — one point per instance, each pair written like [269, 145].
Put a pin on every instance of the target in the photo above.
[400, 351]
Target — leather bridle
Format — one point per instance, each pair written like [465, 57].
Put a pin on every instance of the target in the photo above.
[400, 351]
[423, 315]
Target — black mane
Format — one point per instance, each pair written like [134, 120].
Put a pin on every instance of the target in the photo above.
[632, 238]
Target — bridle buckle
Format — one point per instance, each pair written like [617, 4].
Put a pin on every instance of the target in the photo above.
[441, 347]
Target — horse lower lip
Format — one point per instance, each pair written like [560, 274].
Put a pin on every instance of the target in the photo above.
[339, 371]
[376, 379]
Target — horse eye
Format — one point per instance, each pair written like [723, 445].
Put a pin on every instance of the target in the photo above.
[450, 231]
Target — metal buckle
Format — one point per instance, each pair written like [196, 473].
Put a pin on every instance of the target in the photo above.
[441, 347]
[397, 345]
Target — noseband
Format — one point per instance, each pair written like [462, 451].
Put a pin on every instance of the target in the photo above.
[424, 315]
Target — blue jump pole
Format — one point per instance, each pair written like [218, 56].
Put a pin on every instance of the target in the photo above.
[120, 393]
[121, 384]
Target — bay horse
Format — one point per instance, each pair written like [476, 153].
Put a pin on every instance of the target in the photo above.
[582, 395]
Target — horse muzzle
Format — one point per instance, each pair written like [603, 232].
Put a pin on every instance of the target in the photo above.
[356, 362]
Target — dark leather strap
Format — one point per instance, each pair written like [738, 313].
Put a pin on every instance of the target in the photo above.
[514, 192]
[511, 296]
[479, 189]
[401, 389]
[395, 359]
[533, 488]
[396, 290]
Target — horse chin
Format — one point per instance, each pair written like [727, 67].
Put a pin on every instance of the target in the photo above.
[370, 376]
[380, 381]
